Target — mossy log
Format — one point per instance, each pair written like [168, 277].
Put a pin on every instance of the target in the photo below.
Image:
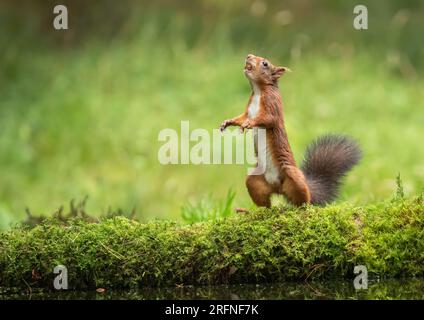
[263, 246]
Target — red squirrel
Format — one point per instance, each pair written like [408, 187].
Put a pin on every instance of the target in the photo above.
[326, 161]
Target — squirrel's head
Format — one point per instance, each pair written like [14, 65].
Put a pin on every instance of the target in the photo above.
[261, 71]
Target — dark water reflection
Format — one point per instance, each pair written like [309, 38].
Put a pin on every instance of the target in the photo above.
[387, 289]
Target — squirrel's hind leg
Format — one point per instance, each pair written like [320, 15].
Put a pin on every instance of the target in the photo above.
[259, 190]
[294, 186]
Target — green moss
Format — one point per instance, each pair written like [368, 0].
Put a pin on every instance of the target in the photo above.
[263, 246]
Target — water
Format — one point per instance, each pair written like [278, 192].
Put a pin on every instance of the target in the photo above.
[340, 289]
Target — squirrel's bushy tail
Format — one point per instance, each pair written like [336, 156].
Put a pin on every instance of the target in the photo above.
[326, 162]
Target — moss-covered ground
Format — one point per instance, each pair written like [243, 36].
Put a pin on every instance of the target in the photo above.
[263, 246]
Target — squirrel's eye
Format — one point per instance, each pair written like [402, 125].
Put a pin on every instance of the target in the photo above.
[265, 64]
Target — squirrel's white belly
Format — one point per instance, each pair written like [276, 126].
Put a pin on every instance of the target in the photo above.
[272, 174]
[254, 106]
[265, 157]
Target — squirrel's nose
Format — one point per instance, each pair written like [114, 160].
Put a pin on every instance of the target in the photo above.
[249, 56]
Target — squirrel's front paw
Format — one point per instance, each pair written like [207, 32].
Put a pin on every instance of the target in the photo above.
[246, 125]
[225, 124]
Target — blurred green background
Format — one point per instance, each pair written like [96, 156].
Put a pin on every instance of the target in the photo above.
[80, 110]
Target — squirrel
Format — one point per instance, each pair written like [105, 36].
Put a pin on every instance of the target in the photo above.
[326, 160]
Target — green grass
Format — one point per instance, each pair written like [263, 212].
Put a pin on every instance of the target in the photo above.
[81, 116]
[208, 208]
[263, 246]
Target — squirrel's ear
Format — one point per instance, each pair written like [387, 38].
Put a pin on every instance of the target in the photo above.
[279, 71]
